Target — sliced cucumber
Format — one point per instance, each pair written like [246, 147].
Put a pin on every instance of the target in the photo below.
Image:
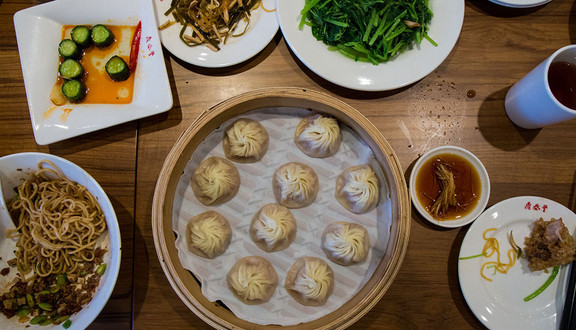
[81, 35]
[75, 90]
[69, 49]
[117, 68]
[71, 69]
[102, 36]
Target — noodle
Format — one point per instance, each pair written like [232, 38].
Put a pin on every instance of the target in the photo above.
[490, 247]
[211, 21]
[57, 224]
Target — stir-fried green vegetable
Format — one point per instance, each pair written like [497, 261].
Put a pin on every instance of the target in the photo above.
[368, 30]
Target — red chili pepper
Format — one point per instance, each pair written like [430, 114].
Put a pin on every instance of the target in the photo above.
[135, 47]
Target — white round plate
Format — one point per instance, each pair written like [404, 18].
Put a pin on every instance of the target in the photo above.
[500, 304]
[520, 3]
[14, 168]
[263, 27]
[408, 67]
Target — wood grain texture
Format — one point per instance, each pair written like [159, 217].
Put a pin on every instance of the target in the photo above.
[497, 46]
[108, 155]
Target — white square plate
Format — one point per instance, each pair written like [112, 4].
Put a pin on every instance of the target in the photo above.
[39, 31]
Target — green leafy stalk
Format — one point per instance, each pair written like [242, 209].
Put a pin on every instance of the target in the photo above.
[472, 257]
[368, 30]
[545, 285]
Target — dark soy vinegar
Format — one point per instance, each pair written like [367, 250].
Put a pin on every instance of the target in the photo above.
[466, 180]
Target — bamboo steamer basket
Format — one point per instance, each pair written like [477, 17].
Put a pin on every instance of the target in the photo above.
[184, 283]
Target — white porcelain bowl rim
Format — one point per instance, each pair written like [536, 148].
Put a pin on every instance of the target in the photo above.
[18, 165]
[484, 179]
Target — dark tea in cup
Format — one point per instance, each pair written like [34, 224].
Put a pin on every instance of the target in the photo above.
[547, 94]
[562, 82]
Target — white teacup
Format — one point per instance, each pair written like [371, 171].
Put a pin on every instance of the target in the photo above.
[530, 103]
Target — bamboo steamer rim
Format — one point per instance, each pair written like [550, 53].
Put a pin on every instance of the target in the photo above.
[188, 288]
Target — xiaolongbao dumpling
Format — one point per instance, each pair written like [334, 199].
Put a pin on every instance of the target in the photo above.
[245, 141]
[358, 189]
[310, 281]
[273, 228]
[208, 234]
[252, 279]
[295, 185]
[345, 243]
[318, 136]
[215, 181]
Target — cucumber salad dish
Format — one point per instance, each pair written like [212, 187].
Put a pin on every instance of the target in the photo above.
[71, 86]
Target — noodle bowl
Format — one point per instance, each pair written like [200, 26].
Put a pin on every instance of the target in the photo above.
[58, 222]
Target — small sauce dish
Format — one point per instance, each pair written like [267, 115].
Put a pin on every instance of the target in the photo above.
[449, 186]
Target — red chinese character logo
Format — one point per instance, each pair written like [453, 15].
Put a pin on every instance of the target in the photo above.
[536, 207]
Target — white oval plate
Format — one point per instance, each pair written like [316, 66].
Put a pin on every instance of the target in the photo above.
[263, 27]
[499, 304]
[408, 67]
[520, 3]
[14, 168]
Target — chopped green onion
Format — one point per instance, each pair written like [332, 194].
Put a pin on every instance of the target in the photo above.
[67, 324]
[23, 312]
[42, 292]
[46, 306]
[38, 319]
[61, 319]
[54, 288]
[47, 321]
[101, 269]
[30, 300]
[61, 279]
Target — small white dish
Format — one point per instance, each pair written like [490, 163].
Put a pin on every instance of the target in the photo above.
[484, 181]
[500, 304]
[39, 31]
[520, 3]
[263, 27]
[407, 68]
[16, 167]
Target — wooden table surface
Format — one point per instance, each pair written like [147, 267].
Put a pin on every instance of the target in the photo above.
[497, 46]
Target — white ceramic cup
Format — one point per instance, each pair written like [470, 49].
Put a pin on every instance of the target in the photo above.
[530, 102]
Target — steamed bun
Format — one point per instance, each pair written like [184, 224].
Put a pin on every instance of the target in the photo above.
[358, 189]
[345, 243]
[318, 136]
[273, 228]
[252, 279]
[208, 234]
[215, 181]
[295, 185]
[245, 141]
[310, 281]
